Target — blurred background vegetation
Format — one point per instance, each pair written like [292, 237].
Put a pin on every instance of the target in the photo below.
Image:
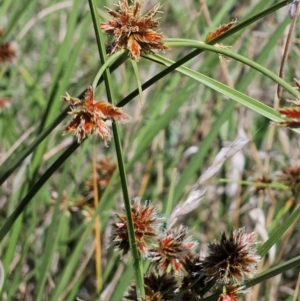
[173, 137]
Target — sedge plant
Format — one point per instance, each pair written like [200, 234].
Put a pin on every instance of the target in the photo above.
[115, 139]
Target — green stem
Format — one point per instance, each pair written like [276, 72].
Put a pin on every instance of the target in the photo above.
[108, 62]
[201, 45]
[137, 263]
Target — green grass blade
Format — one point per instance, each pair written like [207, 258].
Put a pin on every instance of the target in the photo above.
[25, 201]
[263, 250]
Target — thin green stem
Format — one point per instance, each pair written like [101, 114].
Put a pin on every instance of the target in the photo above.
[201, 45]
[137, 262]
[108, 62]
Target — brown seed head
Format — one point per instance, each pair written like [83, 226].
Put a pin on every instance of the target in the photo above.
[193, 272]
[132, 31]
[7, 53]
[174, 247]
[261, 184]
[105, 168]
[146, 222]
[161, 287]
[89, 116]
[291, 177]
[231, 292]
[232, 260]
[220, 30]
[4, 103]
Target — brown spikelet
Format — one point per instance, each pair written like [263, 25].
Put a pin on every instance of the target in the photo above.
[290, 177]
[7, 52]
[261, 184]
[220, 30]
[289, 124]
[290, 112]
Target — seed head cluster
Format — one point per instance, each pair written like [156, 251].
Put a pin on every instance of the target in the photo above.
[89, 116]
[132, 31]
[174, 259]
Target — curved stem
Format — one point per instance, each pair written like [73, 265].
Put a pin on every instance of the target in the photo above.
[203, 46]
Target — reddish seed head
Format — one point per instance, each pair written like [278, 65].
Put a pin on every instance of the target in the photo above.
[260, 184]
[7, 52]
[4, 103]
[234, 259]
[291, 177]
[231, 292]
[158, 287]
[174, 247]
[89, 116]
[290, 112]
[132, 31]
[146, 222]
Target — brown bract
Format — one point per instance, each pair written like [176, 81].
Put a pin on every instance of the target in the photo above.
[132, 31]
[219, 31]
[89, 116]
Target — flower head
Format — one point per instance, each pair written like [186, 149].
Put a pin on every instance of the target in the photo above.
[105, 168]
[146, 222]
[174, 247]
[234, 259]
[4, 102]
[157, 288]
[194, 272]
[89, 116]
[132, 31]
[291, 177]
[231, 292]
[261, 184]
[293, 113]
[7, 50]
